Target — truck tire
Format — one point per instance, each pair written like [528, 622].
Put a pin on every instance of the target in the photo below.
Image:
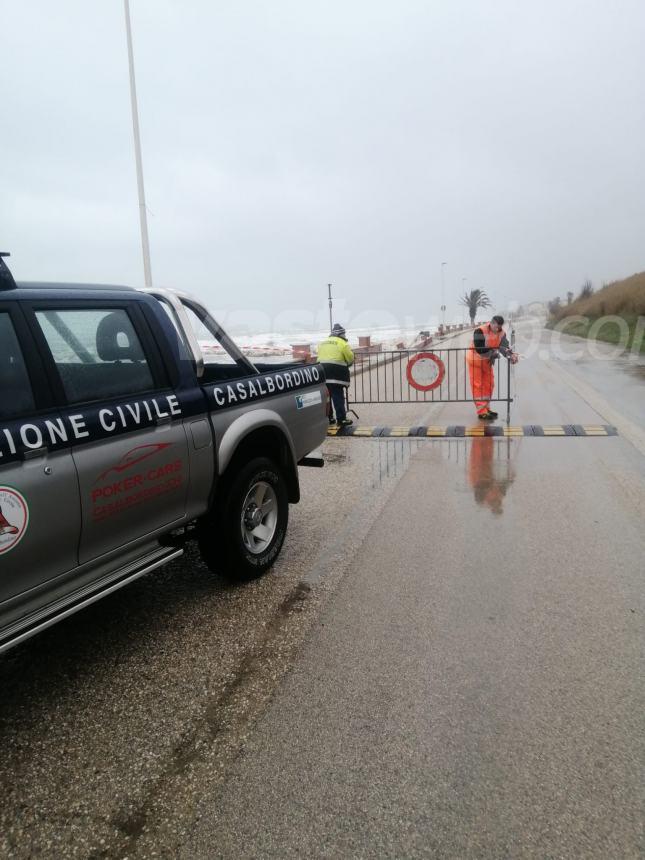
[244, 534]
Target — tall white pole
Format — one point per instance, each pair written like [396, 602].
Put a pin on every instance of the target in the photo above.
[443, 297]
[143, 219]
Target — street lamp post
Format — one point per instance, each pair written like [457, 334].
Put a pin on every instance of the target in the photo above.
[463, 287]
[331, 324]
[143, 220]
[443, 297]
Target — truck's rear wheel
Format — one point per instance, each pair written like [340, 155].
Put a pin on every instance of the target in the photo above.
[244, 535]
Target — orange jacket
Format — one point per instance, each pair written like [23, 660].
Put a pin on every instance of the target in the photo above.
[493, 341]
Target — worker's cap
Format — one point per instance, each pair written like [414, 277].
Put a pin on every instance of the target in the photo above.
[338, 330]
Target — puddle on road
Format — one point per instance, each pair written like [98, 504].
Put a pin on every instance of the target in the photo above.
[336, 455]
[487, 463]
[392, 457]
[490, 472]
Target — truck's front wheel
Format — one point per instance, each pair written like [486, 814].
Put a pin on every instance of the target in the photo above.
[245, 534]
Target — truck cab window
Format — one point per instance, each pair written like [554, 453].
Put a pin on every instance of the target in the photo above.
[97, 353]
[16, 397]
[214, 351]
[221, 356]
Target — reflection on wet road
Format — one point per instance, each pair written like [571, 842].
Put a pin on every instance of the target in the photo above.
[490, 473]
[487, 462]
[391, 458]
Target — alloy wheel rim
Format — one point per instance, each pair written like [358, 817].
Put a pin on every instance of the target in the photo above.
[259, 518]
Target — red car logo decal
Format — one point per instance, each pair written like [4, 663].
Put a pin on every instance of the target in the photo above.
[136, 455]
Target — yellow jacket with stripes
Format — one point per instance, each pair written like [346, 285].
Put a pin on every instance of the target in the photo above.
[336, 357]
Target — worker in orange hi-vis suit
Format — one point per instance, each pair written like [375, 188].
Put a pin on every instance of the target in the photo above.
[489, 340]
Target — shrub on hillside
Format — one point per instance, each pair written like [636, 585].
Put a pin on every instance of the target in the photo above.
[620, 298]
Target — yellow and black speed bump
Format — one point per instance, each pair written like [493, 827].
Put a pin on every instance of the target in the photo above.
[363, 431]
[459, 431]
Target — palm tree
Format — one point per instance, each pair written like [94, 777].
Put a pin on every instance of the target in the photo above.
[474, 300]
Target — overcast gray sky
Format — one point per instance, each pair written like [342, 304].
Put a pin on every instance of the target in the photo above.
[292, 143]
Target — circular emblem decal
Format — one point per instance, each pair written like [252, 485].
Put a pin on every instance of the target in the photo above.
[14, 518]
[425, 371]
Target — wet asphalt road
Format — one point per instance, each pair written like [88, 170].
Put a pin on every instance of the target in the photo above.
[116, 722]
[447, 665]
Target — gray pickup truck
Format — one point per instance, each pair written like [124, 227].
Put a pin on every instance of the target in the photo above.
[119, 443]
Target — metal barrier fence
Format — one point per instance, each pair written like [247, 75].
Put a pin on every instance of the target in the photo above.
[441, 376]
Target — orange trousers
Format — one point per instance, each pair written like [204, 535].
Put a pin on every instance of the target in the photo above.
[482, 381]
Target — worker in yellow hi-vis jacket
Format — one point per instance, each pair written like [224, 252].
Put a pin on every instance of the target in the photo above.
[336, 357]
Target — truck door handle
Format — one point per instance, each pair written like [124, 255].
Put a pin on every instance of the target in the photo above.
[34, 453]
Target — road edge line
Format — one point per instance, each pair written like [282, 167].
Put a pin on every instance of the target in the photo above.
[627, 429]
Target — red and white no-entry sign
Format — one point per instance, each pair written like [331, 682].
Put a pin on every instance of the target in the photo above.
[425, 371]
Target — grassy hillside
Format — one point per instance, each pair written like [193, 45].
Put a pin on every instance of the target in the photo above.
[624, 299]
[619, 298]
